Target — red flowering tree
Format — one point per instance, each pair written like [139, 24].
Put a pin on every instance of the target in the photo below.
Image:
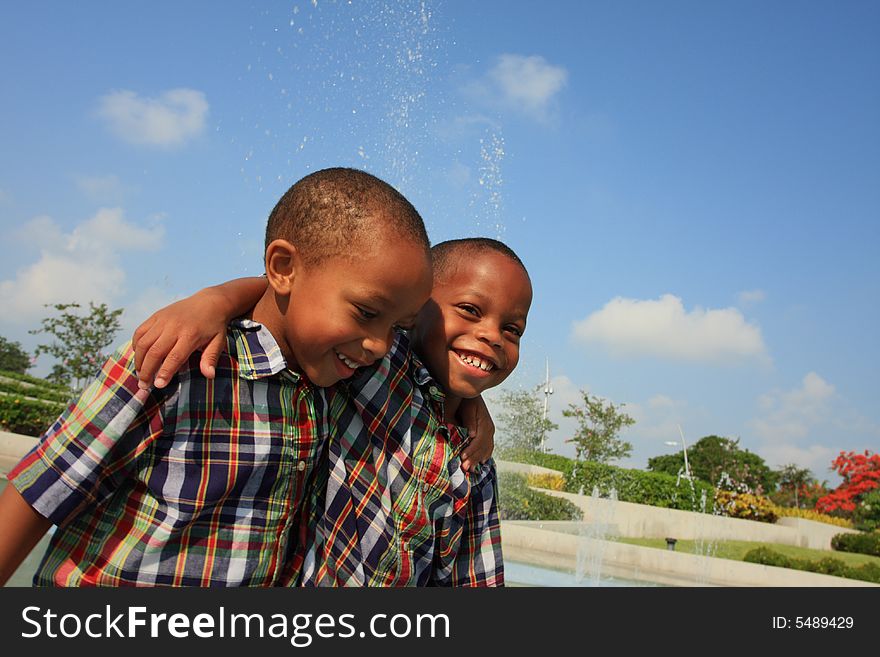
[860, 474]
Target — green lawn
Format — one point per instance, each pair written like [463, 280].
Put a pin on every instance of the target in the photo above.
[736, 550]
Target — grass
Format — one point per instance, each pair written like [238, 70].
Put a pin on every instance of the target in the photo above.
[736, 550]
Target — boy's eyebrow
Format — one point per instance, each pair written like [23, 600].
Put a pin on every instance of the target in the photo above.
[376, 297]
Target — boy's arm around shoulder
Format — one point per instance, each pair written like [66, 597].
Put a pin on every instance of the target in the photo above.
[165, 340]
[21, 528]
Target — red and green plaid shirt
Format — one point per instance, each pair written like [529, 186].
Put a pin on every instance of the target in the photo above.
[201, 483]
[397, 509]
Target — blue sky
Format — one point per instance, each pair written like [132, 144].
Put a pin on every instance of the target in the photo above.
[693, 186]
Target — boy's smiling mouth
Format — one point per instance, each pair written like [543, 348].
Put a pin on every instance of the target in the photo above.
[475, 360]
[349, 363]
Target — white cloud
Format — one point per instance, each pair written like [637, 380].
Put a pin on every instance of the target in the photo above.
[790, 415]
[790, 418]
[528, 84]
[168, 120]
[816, 458]
[102, 189]
[662, 328]
[80, 266]
[748, 297]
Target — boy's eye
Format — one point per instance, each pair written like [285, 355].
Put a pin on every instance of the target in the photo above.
[366, 314]
[516, 330]
[468, 308]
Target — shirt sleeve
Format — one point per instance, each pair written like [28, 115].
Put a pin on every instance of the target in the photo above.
[468, 551]
[92, 444]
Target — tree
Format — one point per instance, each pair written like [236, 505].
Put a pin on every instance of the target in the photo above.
[860, 474]
[12, 357]
[521, 424]
[79, 341]
[794, 483]
[599, 423]
[711, 456]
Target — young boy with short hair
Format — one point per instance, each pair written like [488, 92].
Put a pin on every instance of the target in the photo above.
[204, 482]
[394, 505]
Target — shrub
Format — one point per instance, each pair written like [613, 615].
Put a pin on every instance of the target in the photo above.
[809, 514]
[869, 572]
[23, 389]
[859, 543]
[768, 557]
[652, 488]
[27, 416]
[637, 486]
[745, 505]
[35, 381]
[516, 501]
[867, 513]
[546, 480]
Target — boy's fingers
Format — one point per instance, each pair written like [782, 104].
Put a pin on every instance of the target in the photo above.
[153, 358]
[141, 341]
[211, 355]
[173, 360]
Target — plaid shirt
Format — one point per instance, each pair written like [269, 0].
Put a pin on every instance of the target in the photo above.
[397, 509]
[201, 483]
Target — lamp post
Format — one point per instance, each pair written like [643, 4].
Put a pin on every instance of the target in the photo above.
[674, 443]
[547, 392]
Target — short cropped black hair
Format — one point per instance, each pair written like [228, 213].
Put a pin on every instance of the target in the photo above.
[445, 254]
[328, 212]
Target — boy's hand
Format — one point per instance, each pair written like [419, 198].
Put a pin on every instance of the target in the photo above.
[475, 417]
[168, 337]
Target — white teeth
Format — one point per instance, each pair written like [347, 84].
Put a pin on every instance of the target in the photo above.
[476, 361]
[349, 363]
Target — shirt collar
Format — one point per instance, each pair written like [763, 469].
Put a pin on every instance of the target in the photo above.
[256, 351]
[425, 381]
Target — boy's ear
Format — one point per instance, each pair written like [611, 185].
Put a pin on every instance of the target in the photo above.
[283, 263]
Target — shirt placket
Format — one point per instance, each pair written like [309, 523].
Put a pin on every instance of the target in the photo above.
[297, 448]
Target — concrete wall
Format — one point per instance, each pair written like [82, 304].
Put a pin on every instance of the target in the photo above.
[537, 543]
[643, 521]
[12, 447]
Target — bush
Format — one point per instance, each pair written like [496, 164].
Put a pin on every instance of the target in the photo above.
[548, 481]
[35, 381]
[26, 416]
[745, 505]
[869, 572]
[809, 514]
[858, 543]
[652, 488]
[553, 461]
[637, 486]
[516, 501]
[768, 557]
[22, 389]
[867, 513]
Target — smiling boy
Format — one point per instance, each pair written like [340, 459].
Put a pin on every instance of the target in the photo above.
[203, 482]
[409, 514]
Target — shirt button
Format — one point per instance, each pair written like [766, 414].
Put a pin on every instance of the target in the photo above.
[434, 390]
[425, 487]
[301, 466]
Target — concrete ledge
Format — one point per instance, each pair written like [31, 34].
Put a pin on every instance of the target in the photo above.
[13, 447]
[643, 521]
[524, 468]
[532, 542]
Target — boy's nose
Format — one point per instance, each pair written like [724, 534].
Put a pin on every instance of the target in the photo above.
[489, 334]
[377, 345]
